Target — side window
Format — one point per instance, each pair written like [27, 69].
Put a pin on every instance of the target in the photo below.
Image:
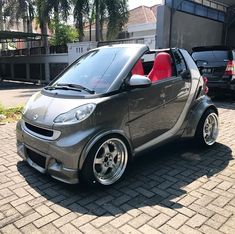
[179, 62]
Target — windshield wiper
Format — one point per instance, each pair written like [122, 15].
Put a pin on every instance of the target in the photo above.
[70, 87]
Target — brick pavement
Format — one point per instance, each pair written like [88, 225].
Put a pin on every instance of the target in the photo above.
[174, 189]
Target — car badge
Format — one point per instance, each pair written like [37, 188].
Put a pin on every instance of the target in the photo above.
[35, 117]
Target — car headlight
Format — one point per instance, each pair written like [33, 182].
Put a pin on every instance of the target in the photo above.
[76, 115]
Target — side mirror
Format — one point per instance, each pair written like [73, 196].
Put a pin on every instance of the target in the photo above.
[138, 81]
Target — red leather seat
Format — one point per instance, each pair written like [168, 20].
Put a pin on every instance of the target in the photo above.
[138, 68]
[162, 67]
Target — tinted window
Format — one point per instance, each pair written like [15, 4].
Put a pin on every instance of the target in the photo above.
[201, 10]
[221, 16]
[97, 69]
[188, 7]
[213, 14]
[210, 56]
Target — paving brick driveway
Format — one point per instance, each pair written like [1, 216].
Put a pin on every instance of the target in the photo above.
[174, 189]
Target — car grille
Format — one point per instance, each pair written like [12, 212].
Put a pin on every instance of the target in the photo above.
[41, 131]
[36, 158]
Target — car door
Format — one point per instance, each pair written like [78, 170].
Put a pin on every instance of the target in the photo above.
[155, 110]
[180, 89]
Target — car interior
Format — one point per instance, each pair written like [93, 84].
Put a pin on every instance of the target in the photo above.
[156, 66]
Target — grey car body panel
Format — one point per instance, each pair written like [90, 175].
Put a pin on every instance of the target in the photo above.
[144, 117]
[195, 114]
[195, 76]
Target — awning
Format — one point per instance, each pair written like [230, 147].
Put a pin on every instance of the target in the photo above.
[11, 36]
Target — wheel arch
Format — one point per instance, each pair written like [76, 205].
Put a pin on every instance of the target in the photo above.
[112, 133]
[196, 114]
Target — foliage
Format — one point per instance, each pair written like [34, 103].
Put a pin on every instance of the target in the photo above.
[11, 114]
[117, 17]
[81, 12]
[48, 10]
[63, 34]
[112, 12]
[19, 9]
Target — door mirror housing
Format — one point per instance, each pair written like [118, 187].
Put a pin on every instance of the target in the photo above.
[138, 81]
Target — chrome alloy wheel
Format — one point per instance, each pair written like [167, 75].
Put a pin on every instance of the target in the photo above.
[110, 161]
[211, 129]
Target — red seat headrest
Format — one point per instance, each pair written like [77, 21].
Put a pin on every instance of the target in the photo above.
[138, 68]
[162, 67]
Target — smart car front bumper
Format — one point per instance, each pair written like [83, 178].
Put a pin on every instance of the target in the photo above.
[50, 157]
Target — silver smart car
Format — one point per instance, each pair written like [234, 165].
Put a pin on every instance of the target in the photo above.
[111, 104]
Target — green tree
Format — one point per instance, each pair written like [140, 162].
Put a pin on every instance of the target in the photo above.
[81, 14]
[115, 12]
[20, 9]
[64, 34]
[48, 10]
[117, 17]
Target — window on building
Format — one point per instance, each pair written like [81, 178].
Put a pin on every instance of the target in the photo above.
[204, 8]
[198, 1]
[168, 2]
[221, 8]
[213, 14]
[214, 5]
[188, 7]
[221, 16]
[201, 10]
[206, 3]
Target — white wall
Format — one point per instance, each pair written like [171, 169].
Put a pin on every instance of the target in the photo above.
[75, 50]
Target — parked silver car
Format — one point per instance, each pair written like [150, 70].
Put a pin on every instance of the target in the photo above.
[111, 104]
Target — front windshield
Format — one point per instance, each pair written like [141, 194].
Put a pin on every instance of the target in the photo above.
[96, 70]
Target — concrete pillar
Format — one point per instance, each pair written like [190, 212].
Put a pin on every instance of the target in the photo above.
[47, 72]
[27, 71]
[163, 26]
[12, 71]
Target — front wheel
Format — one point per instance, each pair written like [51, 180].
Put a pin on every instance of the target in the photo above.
[106, 162]
[207, 129]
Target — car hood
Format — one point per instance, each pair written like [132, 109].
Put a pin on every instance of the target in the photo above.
[42, 109]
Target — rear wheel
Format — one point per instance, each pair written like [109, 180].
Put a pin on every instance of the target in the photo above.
[207, 129]
[106, 163]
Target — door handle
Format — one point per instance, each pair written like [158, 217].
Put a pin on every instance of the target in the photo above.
[168, 86]
[186, 75]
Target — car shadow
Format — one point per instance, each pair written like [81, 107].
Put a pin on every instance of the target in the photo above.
[157, 178]
[224, 101]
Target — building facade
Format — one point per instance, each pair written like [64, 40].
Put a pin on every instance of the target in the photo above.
[186, 24]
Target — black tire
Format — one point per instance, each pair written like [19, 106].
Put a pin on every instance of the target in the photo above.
[88, 173]
[199, 138]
